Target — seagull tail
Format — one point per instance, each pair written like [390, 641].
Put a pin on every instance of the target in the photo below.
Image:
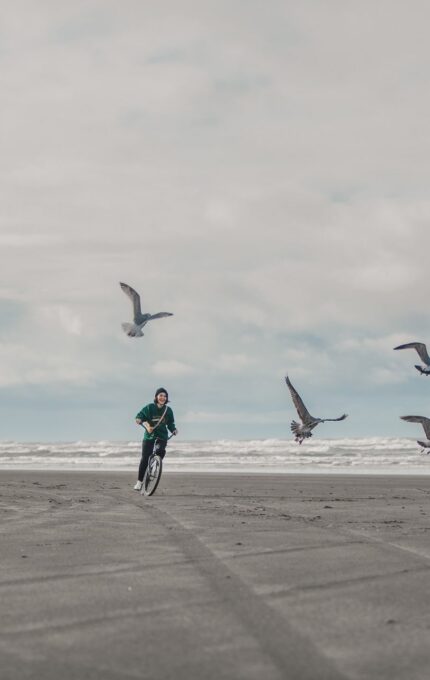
[295, 427]
[131, 330]
[425, 445]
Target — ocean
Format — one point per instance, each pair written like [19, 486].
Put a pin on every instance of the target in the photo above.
[377, 455]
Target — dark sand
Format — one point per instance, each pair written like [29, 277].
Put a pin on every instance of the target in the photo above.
[216, 576]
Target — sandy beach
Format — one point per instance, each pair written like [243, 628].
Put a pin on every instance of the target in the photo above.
[216, 576]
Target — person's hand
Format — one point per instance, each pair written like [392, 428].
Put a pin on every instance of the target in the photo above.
[148, 428]
[175, 432]
[138, 421]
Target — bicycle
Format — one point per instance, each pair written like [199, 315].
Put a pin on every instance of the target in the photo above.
[152, 476]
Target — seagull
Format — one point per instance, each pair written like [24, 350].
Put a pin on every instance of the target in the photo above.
[303, 431]
[422, 353]
[425, 422]
[134, 330]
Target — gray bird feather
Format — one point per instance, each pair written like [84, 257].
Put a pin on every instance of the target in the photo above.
[134, 329]
[309, 422]
[425, 422]
[301, 409]
[420, 348]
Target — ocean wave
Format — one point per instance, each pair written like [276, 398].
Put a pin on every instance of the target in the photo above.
[375, 453]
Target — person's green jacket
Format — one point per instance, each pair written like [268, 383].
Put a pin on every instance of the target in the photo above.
[153, 415]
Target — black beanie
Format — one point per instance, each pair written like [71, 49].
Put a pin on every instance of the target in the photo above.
[159, 391]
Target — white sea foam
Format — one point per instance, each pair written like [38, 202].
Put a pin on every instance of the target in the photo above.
[375, 454]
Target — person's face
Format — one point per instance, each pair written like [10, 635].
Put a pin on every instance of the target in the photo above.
[161, 399]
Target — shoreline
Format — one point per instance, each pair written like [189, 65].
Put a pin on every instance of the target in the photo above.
[341, 472]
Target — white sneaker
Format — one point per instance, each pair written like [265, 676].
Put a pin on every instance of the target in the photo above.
[138, 486]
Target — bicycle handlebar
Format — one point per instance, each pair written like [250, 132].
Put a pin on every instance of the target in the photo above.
[169, 437]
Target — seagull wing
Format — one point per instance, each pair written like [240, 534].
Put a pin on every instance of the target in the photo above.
[303, 412]
[333, 420]
[135, 299]
[160, 315]
[425, 422]
[421, 349]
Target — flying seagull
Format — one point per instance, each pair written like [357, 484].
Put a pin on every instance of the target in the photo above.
[134, 330]
[304, 430]
[422, 353]
[425, 422]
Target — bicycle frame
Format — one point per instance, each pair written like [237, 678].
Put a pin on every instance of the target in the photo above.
[154, 468]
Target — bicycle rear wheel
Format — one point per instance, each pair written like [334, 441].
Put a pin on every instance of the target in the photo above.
[152, 475]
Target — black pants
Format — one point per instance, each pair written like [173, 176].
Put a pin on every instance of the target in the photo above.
[147, 448]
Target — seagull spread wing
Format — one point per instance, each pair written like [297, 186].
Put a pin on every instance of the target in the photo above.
[160, 315]
[135, 298]
[421, 349]
[304, 414]
[334, 420]
[425, 422]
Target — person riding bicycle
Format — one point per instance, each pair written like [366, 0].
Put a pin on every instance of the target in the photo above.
[157, 418]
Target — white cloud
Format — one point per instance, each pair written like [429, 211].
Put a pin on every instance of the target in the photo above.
[64, 318]
[381, 345]
[234, 417]
[233, 363]
[22, 365]
[220, 213]
[171, 368]
[387, 376]
[268, 187]
[23, 240]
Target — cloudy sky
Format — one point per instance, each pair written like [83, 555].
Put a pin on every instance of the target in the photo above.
[258, 168]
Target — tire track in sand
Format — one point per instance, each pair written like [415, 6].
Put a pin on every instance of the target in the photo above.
[291, 652]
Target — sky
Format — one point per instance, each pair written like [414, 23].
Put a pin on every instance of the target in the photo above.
[259, 169]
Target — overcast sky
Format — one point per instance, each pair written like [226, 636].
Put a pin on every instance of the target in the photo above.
[258, 168]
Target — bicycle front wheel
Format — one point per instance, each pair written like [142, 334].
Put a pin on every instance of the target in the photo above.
[152, 475]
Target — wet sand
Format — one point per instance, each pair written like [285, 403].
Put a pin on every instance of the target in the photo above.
[216, 576]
